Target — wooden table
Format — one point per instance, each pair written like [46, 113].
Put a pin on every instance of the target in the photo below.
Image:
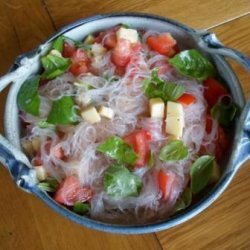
[27, 223]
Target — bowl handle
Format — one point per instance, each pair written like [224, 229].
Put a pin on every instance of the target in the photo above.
[210, 43]
[241, 150]
[11, 157]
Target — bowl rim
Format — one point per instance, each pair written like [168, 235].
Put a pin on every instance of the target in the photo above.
[170, 222]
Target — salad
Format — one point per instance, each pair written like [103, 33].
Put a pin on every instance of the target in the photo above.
[125, 126]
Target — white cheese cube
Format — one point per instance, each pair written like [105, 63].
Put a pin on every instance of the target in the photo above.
[97, 49]
[89, 39]
[129, 34]
[156, 107]
[91, 115]
[55, 52]
[41, 174]
[174, 119]
[106, 112]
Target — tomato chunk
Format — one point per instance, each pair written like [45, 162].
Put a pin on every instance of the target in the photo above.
[213, 91]
[70, 191]
[166, 181]
[122, 53]
[80, 62]
[140, 142]
[164, 44]
[108, 38]
[186, 99]
[68, 49]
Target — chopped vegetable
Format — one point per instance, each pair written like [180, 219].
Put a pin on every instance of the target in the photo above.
[49, 185]
[119, 183]
[174, 151]
[62, 112]
[81, 208]
[166, 183]
[187, 99]
[28, 99]
[154, 87]
[116, 148]
[91, 115]
[201, 172]
[184, 201]
[58, 43]
[193, 64]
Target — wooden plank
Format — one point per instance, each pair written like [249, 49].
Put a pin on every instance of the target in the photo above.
[198, 13]
[225, 224]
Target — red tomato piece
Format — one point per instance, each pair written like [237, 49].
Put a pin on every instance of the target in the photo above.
[122, 53]
[186, 99]
[163, 43]
[140, 142]
[68, 49]
[213, 91]
[120, 71]
[80, 62]
[70, 191]
[108, 38]
[57, 152]
[166, 181]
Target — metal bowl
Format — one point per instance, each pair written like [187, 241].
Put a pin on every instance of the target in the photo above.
[25, 65]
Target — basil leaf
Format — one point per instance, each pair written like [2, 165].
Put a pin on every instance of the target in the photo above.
[54, 66]
[58, 43]
[28, 99]
[50, 185]
[185, 200]
[81, 208]
[116, 148]
[193, 64]
[155, 87]
[174, 151]
[62, 112]
[201, 172]
[224, 114]
[119, 183]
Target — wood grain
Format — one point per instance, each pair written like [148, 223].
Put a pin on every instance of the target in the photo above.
[196, 13]
[27, 223]
[225, 224]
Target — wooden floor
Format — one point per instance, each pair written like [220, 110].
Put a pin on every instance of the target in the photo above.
[26, 223]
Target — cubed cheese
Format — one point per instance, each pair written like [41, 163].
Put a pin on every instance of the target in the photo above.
[41, 174]
[156, 106]
[174, 119]
[106, 112]
[27, 146]
[89, 39]
[91, 115]
[97, 49]
[129, 34]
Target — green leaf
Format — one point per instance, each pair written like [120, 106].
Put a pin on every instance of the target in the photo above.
[44, 124]
[119, 183]
[58, 43]
[62, 112]
[174, 151]
[81, 208]
[155, 87]
[193, 64]
[224, 114]
[28, 99]
[116, 148]
[184, 201]
[54, 66]
[50, 185]
[201, 172]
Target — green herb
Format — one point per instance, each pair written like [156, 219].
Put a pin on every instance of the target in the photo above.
[193, 64]
[28, 99]
[155, 87]
[81, 208]
[119, 183]
[224, 114]
[58, 43]
[116, 148]
[184, 201]
[50, 185]
[62, 112]
[174, 151]
[201, 172]
[54, 66]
